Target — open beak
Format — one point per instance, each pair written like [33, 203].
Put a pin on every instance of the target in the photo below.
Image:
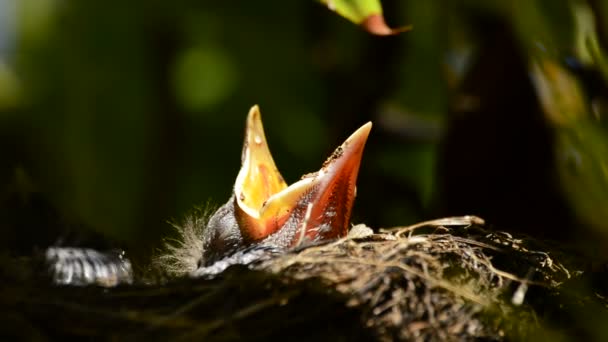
[315, 208]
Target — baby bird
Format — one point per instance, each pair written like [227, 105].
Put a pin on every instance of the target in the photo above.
[262, 218]
[264, 213]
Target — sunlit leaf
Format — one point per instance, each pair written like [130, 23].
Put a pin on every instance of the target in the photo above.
[366, 13]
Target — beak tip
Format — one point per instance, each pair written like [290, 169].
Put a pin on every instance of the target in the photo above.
[359, 138]
[365, 129]
[254, 113]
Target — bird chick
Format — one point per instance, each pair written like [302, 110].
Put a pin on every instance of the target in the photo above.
[264, 214]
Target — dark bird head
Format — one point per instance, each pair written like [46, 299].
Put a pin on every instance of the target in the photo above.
[264, 211]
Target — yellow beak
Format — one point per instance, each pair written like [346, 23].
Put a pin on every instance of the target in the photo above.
[315, 208]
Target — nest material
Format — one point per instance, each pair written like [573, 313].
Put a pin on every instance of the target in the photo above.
[436, 286]
[448, 279]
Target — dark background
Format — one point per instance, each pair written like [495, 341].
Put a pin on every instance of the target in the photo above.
[118, 116]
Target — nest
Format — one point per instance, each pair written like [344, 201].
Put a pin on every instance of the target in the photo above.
[449, 279]
[428, 286]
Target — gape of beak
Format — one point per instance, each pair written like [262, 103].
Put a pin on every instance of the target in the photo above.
[316, 208]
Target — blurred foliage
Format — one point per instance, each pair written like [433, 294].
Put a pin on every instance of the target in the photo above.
[577, 115]
[119, 116]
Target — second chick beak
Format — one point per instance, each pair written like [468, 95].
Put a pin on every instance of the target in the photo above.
[315, 208]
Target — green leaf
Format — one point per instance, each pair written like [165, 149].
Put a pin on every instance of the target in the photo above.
[366, 13]
[354, 10]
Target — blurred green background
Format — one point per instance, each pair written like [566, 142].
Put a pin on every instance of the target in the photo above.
[118, 116]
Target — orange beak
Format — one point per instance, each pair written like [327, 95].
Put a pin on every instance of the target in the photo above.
[315, 208]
